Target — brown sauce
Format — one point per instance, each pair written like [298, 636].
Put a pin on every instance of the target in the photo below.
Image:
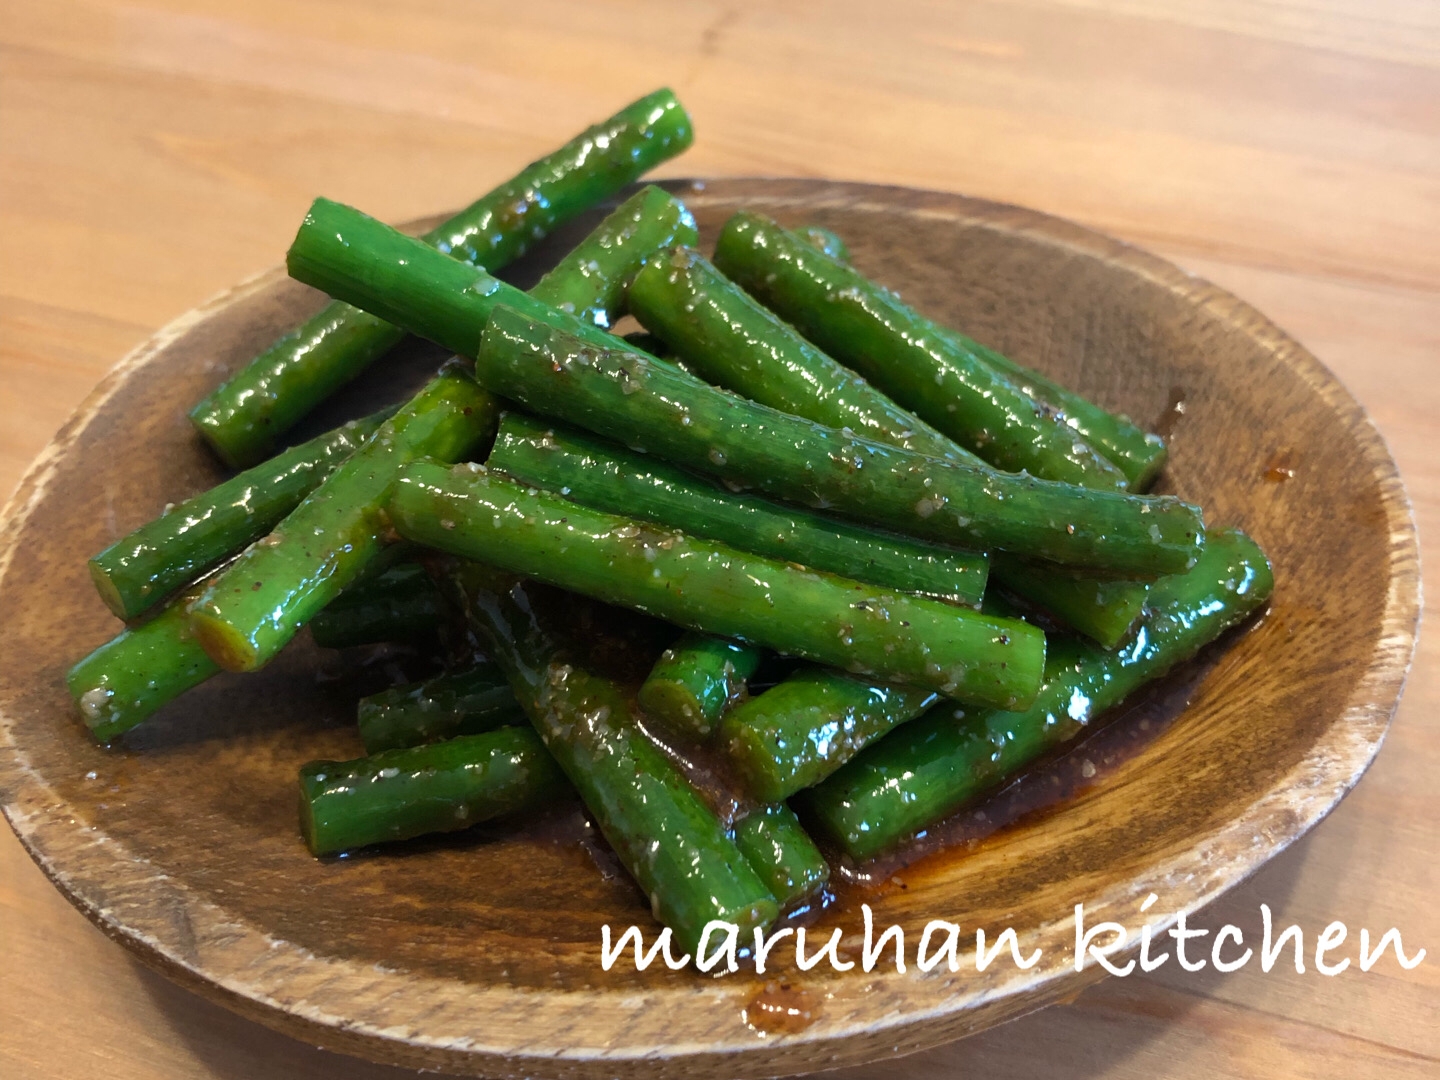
[781, 1008]
[1280, 467]
[1166, 422]
[1040, 791]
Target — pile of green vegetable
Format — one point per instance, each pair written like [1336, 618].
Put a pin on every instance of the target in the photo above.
[789, 463]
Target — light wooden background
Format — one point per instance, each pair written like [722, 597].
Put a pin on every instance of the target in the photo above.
[155, 152]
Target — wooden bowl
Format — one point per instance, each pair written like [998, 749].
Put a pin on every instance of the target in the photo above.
[479, 954]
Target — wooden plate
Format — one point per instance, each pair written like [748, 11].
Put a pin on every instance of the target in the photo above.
[480, 953]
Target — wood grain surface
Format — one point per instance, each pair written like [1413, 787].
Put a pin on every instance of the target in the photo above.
[153, 154]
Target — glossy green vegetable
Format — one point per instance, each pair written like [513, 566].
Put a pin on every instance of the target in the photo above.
[591, 281]
[244, 417]
[782, 853]
[133, 674]
[256, 605]
[243, 624]
[604, 475]
[192, 538]
[366, 262]
[731, 341]
[695, 680]
[1100, 608]
[664, 834]
[932, 766]
[825, 241]
[480, 699]
[466, 702]
[922, 366]
[802, 729]
[1134, 451]
[352, 256]
[629, 397]
[727, 338]
[702, 585]
[401, 604]
[439, 787]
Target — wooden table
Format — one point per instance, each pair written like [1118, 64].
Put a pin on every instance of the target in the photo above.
[154, 152]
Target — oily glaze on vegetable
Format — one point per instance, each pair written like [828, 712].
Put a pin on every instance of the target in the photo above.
[696, 680]
[727, 338]
[439, 787]
[255, 606]
[647, 404]
[468, 701]
[699, 584]
[1138, 453]
[671, 842]
[190, 539]
[606, 476]
[243, 418]
[933, 765]
[903, 354]
[802, 729]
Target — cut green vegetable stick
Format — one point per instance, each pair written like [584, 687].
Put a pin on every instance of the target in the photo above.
[701, 585]
[672, 844]
[771, 838]
[364, 261]
[907, 356]
[1130, 448]
[133, 674]
[932, 766]
[695, 680]
[824, 241]
[336, 531]
[439, 787]
[192, 538]
[604, 475]
[252, 608]
[1134, 451]
[468, 779]
[727, 338]
[397, 619]
[399, 605]
[243, 418]
[591, 281]
[782, 853]
[351, 255]
[648, 405]
[1101, 609]
[467, 702]
[802, 729]
[795, 734]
